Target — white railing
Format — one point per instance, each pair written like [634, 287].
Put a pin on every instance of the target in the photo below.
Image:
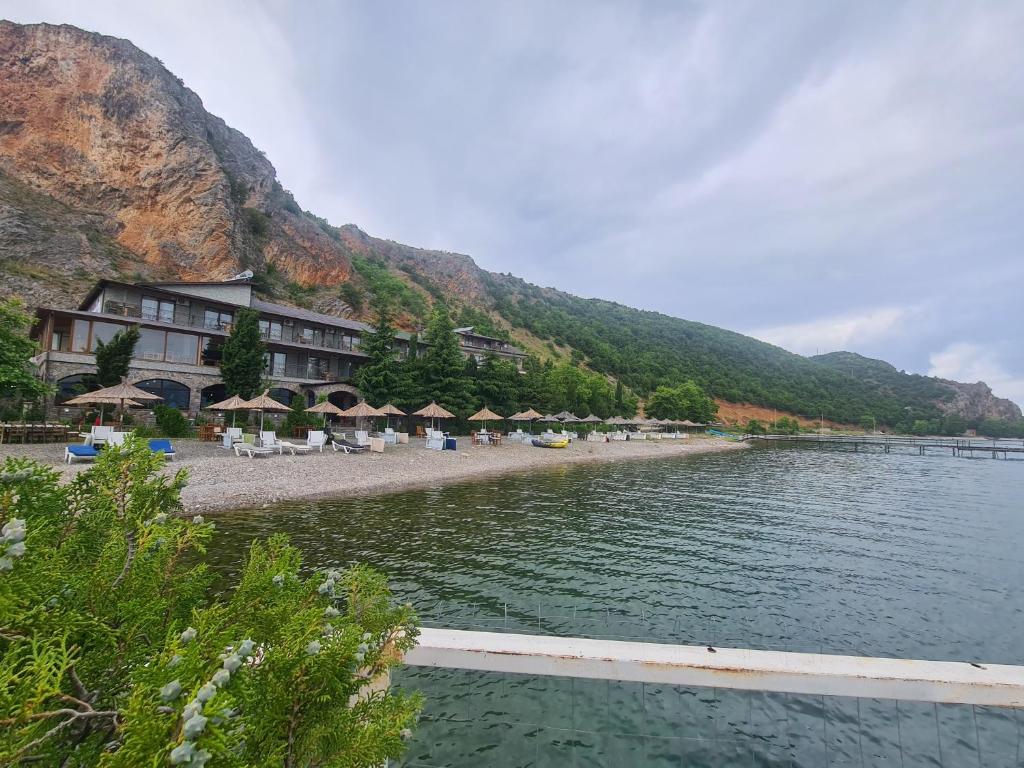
[946, 682]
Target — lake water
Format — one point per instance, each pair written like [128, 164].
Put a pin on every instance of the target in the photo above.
[776, 548]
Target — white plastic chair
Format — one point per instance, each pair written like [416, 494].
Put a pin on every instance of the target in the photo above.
[100, 434]
[269, 440]
[316, 439]
[116, 438]
[362, 437]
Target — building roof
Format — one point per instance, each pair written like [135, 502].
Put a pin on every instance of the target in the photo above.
[307, 315]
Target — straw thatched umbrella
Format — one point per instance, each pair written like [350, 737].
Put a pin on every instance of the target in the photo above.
[592, 419]
[122, 394]
[361, 411]
[327, 408]
[485, 414]
[233, 404]
[264, 403]
[566, 418]
[432, 412]
[528, 415]
[389, 410]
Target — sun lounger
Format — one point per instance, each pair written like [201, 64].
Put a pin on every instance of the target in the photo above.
[251, 450]
[316, 439]
[117, 438]
[285, 445]
[363, 438]
[231, 436]
[340, 444]
[162, 446]
[79, 452]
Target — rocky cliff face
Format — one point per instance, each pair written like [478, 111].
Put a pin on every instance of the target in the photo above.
[104, 129]
[976, 401]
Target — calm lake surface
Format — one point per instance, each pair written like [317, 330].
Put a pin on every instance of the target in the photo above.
[777, 548]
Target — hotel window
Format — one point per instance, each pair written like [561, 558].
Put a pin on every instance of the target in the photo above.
[270, 329]
[103, 332]
[151, 344]
[182, 348]
[316, 367]
[80, 338]
[213, 351]
[60, 341]
[156, 309]
[306, 334]
[275, 363]
[216, 320]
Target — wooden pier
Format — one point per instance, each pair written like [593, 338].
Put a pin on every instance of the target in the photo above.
[957, 446]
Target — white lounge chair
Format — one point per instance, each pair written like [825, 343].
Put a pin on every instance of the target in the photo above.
[251, 450]
[98, 435]
[117, 438]
[390, 436]
[363, 437]
[231, 436]
[268, 439]
[316, 439]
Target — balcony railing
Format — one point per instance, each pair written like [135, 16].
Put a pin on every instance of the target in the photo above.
[287, 335]
[296, 371]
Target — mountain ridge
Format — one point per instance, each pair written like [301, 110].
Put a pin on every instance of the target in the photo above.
[111, 167]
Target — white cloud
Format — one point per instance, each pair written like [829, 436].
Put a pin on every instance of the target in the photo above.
[963, 361]
[828, 334]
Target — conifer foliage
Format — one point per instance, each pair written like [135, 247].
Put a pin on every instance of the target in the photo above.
[113, 654]
[242, 365]
[114, 356]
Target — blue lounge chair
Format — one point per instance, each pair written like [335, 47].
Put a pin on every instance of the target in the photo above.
[80, 452]
[156, 446]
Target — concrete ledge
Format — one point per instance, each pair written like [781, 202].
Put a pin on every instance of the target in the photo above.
[801, 673]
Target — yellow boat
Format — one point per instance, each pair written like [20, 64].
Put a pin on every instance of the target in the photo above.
[562, 443]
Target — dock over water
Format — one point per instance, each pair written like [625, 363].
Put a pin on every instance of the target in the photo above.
[958, 446]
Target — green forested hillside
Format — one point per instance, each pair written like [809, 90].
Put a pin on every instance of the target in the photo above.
[647, 349]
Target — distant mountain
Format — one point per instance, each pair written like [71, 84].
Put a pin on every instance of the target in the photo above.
[972, 401]
[111, 167]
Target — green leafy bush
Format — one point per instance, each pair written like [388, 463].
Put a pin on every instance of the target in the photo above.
[113, 653]
[171, 422]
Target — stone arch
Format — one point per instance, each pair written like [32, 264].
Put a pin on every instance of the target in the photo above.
[174, 392]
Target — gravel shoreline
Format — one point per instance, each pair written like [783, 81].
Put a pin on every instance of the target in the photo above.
[220, 481]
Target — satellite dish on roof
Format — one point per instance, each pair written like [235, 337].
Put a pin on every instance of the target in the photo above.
[247, 275]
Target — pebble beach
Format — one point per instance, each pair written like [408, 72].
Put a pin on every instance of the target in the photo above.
[219, 480]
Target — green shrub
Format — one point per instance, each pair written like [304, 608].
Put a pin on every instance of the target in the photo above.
[114, 651]
[171, 422]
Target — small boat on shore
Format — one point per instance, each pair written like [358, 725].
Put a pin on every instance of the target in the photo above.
[563, 443]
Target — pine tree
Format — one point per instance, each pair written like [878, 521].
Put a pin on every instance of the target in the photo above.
[242, 364]
[444, 378]
[497, 385]
[114, 356]
[378, 378]
[17, 377]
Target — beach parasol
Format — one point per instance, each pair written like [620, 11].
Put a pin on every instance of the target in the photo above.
[121, 394]
[528, 415]
[591, 419]
[432, 412]
[327, 408]
[566, 418]
[389, 410]
[263, 403]
[233, 404]
[485, 414]
[360, 411]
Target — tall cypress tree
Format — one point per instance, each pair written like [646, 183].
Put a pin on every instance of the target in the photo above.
[378, 378]
[444, 366]
[114, 356]
[17, 376]
[242, 365]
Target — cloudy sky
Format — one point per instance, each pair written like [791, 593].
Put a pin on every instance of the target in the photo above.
[820, 175]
